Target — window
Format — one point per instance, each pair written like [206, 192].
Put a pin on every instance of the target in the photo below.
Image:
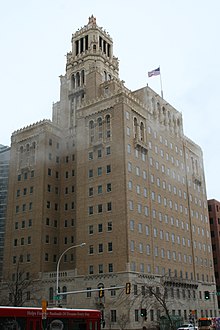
[109, 246]
[100, 189]
[100, 268]
[109, 187]
[100, 229]
[110, 268]
[108, 150]
[108, 169]
[100, 248]
[99, 208]
[109, 226]
[91, 249]
[99, 153]
[91, 269]
[90, 210]
[90, 156]
[109, 206]
[99, 171]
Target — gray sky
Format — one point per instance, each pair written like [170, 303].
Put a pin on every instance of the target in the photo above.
[182, 36]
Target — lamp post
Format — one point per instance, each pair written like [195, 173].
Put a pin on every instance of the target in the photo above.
[58, 263]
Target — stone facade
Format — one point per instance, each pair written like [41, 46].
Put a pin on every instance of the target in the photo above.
[114, 170]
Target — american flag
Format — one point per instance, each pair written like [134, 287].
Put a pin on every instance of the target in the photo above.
[155, 72]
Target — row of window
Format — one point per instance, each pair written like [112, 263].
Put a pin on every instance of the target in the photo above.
[91, 228]
[162, 271]
[25, 191]
[169, 236]
[24, 207]
[99, 189]
[99, 153]
[22, 241]
[99, 171]
[99, 129]
[48, 222]
[25, 175]
[49, 205]
[100, 248]
[48, 240]
[140, 208]
[100, 208]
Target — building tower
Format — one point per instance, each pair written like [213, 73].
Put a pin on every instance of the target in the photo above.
[114, 170]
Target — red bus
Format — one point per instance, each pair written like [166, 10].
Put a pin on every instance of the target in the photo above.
[31, 318]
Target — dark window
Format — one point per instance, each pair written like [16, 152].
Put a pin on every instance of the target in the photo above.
[90, 210]
[100, 248]
[100, 228]
[108, 169]
[110, 268]
[109, 246]
[109, 206]
[100, 208]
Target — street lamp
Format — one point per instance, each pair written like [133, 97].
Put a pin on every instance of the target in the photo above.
[58, 263]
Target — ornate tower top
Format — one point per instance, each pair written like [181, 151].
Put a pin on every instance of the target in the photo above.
[92, 20]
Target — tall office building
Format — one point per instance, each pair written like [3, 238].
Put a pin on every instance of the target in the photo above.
[112, 169]
[4, 169]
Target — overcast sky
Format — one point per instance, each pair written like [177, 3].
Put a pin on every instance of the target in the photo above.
[182, 36]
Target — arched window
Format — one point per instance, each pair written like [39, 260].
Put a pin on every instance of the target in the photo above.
[99, 121]
[82, 77]
[91, 131]
[73, 82]
[77, 79]
[135, 128]
[28, 147]
[142, 131]
[108, 126]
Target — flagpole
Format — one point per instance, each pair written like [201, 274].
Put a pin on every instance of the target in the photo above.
[161, 88]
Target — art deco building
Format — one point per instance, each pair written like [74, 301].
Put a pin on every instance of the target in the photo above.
[112, 169]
